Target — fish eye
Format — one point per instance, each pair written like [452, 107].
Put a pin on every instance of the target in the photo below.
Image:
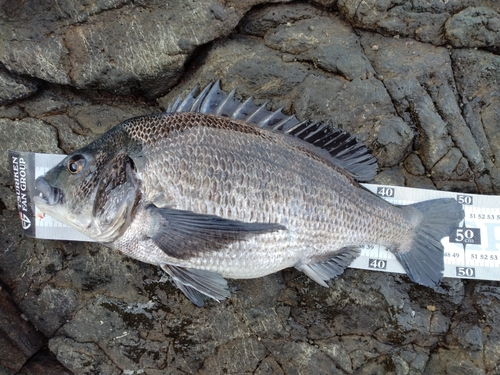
[76, 164]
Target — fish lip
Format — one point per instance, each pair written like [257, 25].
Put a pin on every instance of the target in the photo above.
[51, 195]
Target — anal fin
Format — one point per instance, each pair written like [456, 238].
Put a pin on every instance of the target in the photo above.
[330, 268]
[198, 285]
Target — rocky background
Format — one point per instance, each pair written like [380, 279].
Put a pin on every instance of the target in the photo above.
[418, 81]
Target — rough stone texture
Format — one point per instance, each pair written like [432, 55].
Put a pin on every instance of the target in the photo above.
[28, 133]
[118, 45]
[420, 81]
[420, 20]
[18, 338]
[474, 27]
[44, 363]
[478, 76]
[387, 71]
[13, 88]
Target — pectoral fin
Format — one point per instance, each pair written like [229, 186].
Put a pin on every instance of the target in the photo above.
[198, 285]
[332, 267]
[184, 234]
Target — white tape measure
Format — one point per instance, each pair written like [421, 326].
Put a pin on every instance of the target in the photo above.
[471, 251]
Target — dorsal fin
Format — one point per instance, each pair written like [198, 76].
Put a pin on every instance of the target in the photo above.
[341, 148]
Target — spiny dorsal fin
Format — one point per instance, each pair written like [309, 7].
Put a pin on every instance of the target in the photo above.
[341, 148]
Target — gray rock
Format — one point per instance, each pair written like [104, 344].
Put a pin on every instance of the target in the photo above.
[11, 112]
[421, 182]
[316, 361]
[430, 107]
[13, 88]
[44, 363]
[18, 338]
[414, 165]
[425, 21]
[82, 358]
[474, 27]
[488, 307]
[50, 307]
[400, 18]
[115, 45]
[27, 134]
[429, 113]
[261, 20]
[477, 76]
[320, 44]
[393, 176]
[235, 357]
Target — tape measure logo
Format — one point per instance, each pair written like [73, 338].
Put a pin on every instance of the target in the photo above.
[25, 220]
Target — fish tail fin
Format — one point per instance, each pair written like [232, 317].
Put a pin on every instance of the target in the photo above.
[422, 257]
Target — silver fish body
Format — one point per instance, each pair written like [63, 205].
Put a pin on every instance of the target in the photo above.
[216, 188]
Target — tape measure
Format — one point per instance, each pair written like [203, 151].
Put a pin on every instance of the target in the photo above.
[471, 251]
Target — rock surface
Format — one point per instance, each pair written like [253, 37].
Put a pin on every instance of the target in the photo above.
[416, 81]
[19, 339]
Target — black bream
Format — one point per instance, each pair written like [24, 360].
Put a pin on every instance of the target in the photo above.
[216, 188]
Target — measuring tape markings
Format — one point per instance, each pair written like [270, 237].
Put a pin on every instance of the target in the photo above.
[471, 251]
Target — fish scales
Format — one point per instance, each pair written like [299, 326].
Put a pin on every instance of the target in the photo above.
[313, 228]
[217, 188]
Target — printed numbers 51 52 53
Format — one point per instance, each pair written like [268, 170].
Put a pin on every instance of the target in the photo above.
[484, 257]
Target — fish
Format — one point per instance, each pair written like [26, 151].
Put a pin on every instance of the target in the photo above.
[216, 188]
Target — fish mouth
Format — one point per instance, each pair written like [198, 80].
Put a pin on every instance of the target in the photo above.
[49, 195]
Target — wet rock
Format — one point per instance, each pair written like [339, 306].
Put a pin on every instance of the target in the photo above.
[474, 27]
[400, 18]
[13, 88]
[414, 165]
[477, 76]
[488, 334]
[425, 97]
[260, 21]
[27, 134]
[18, 338]
[235, 357]
[325, 46]
[50, 308]
[44, 363]
[82, 358]
[114, 45]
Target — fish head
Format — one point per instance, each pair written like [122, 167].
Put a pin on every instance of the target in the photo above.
[95, 190]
